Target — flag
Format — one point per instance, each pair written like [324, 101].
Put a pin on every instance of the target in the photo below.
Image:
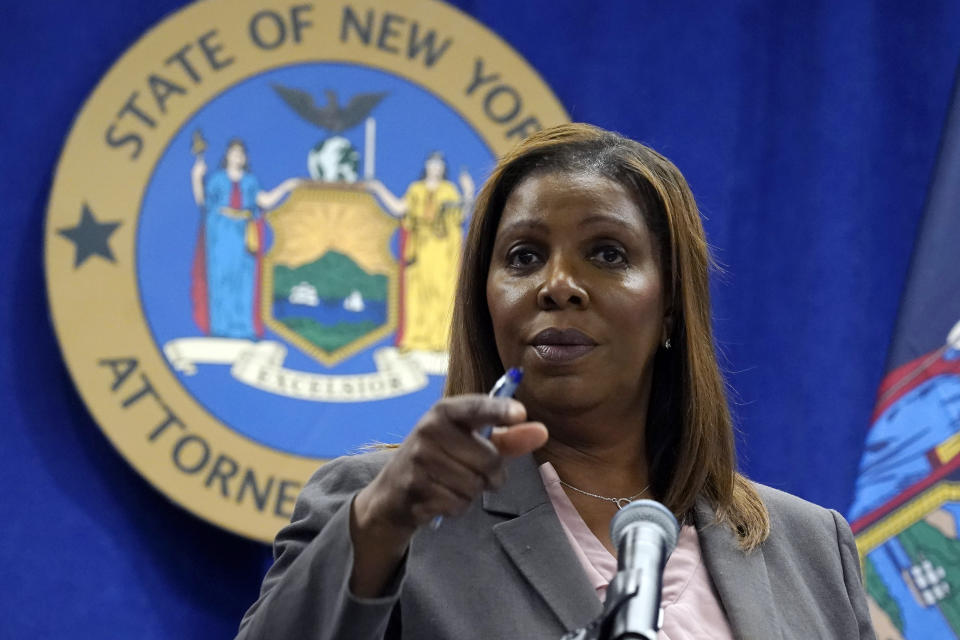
[906, 509]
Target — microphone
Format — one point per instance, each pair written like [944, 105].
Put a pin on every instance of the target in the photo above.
[645, 533]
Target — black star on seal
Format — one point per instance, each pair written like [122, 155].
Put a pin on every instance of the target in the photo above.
[90, 237]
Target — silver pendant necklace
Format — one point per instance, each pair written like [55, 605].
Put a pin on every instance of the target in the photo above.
[620, 502]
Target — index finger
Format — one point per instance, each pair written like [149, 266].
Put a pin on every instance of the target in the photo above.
[475, 411]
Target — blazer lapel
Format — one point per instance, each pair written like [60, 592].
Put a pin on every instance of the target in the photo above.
[741, 578]
[535, 542]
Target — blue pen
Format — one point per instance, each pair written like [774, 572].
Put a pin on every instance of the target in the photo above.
[505, 387]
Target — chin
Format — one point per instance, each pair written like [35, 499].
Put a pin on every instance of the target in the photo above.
[567, 394]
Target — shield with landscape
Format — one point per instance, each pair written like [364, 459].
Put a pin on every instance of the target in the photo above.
[329, 278]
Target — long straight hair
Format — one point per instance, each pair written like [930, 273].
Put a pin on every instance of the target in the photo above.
[689, 430]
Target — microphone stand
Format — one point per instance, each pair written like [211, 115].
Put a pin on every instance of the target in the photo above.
[615, 621]
[602, 628]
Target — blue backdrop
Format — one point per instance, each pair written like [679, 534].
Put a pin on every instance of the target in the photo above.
[807, 130]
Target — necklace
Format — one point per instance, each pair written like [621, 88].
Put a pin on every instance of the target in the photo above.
[620, 502]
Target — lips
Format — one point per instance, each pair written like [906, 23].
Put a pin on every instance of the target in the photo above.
[562, 345]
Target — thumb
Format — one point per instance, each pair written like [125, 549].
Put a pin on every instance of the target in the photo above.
[519, 439]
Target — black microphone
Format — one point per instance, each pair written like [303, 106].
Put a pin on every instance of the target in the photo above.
[645, 533]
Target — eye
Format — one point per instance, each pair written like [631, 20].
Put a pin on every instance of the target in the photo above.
[522, 257]
[610, 255]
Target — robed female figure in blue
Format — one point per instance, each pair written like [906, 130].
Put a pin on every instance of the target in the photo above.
[226, 271]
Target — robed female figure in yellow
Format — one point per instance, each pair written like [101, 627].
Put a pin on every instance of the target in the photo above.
[431, 211]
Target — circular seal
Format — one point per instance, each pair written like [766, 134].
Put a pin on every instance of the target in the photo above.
[254, 229]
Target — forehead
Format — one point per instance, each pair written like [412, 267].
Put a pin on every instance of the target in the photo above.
[563, 198]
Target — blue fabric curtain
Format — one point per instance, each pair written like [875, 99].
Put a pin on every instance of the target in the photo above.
[808, 131]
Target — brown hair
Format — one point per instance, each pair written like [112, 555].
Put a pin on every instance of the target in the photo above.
[689, 431]
[236, 142]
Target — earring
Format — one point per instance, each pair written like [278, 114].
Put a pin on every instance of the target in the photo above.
[666, 345]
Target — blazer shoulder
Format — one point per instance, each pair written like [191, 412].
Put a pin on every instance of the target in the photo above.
[799, 518]
[788, 504]
[813, 546]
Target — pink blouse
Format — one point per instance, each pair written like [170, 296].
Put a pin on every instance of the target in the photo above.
[691, 608]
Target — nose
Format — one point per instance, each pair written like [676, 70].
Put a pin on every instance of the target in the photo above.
[561, 288]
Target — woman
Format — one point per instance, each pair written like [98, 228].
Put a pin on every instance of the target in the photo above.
[587, 265]
[226, 277]
[432, 210]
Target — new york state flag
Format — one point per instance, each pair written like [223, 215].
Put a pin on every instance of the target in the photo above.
[906, 509]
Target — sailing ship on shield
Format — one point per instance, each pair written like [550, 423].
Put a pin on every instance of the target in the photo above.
[311, 260]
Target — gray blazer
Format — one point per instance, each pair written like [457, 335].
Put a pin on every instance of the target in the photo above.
[506, 570]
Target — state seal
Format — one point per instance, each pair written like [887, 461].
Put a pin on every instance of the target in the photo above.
[254, 230]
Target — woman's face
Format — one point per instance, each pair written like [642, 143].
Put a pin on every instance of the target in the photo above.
[236, 157]
[575, 293]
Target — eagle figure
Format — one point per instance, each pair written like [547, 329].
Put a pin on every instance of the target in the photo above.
[331, 117]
